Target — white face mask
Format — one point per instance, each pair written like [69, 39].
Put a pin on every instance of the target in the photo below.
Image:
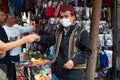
[65, 22]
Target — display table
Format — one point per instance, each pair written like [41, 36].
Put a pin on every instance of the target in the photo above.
[28, 70]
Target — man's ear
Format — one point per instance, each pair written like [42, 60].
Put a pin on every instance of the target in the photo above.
[73, 17]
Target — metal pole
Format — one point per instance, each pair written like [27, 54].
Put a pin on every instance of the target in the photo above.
[114, 23]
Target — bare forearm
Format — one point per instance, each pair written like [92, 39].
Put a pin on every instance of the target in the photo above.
[7, 46]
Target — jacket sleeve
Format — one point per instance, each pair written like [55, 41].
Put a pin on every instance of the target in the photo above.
[85, 47]
[47, 41]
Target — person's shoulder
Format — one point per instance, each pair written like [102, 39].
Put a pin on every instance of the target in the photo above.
[80, 30]
[59, 28]
[78, 27]
[4, 26]
[17, 25]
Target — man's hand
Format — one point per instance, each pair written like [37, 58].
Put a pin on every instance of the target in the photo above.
[69, 64]
[32, 37]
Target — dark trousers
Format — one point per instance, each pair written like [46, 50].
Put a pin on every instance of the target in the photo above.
[54, 77]
[4, 65]
[12, 69]
[3, 72]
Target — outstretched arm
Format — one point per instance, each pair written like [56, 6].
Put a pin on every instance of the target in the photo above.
[7, 46]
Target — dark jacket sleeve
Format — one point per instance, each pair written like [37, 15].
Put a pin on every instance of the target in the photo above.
[47, 41]
[3, 35]
[85, 47]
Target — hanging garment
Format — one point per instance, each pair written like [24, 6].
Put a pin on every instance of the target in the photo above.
[39, 3]
[56, 13]
[42, 13]
[5, 6]
[101, 40]
[52, 48]
[109, 14]
[87, 25]
[98, 61]
[109, 3]
[27, 4]
[108, 40]
[109, 54]
[89, 2]
[101, 29]
[30, 5]
[106, 27]
[76, 3]
[50, 28]
[11, 9]
[104, 14]
[18, 4]
[55, 4]
[84, 15]
[49, 12]
[103, 60]
[78, 13]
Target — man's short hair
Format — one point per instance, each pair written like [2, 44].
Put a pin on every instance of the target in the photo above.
[68, 7]
[36, 19]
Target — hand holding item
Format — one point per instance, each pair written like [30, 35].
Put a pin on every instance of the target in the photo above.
[31, 38]
[69, 64]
